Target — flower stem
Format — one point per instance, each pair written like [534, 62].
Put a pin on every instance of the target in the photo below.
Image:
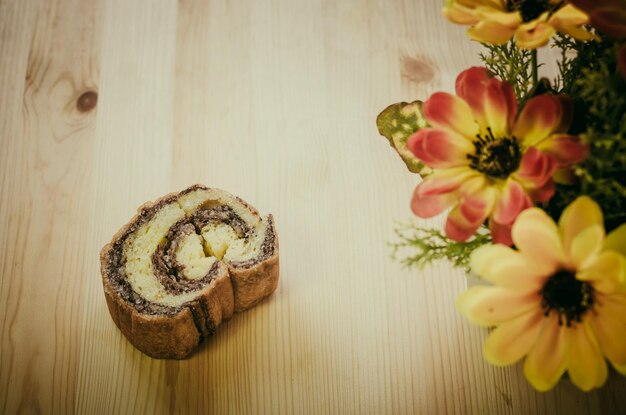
[533, 61]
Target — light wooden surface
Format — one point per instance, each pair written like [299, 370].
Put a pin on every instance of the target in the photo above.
[274, 101]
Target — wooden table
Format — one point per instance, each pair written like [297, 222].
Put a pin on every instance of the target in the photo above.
[107, 104]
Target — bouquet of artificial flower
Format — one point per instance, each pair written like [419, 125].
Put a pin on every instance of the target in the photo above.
[532, 173]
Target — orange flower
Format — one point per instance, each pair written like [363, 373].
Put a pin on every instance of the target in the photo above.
[559, 300]
[608, 16]
[530, 22]
[488, 161]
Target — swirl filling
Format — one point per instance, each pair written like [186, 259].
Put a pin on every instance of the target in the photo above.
[162, 261]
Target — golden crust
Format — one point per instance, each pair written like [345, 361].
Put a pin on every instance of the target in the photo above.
[251, 285]
[175, 336]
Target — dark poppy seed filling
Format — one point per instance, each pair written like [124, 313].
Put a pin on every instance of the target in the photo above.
[220, 214]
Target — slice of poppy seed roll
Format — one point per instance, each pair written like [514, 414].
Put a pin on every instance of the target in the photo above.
[184, 264]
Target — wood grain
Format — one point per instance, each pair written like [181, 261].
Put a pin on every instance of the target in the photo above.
[109, 103]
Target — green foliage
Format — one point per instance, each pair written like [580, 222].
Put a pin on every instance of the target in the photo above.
[599, 90]
[588, 75]
[576, 56]
[426, 246]
[569, 64]
[511, 64]
[397, 123]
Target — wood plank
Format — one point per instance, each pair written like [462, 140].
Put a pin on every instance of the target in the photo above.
[274, 101]
[134, 148]
[49, 61]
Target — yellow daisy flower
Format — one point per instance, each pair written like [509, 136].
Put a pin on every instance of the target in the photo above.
[559, 299]
[530, 22]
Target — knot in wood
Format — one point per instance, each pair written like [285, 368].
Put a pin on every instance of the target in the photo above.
[87, 101]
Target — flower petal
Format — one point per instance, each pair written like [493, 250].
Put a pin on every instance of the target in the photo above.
[568, 19]
[489, 306]
[450, 112]
[500, 234]
[470, 86]
[458, 227]
[437, 191]
[543, 193]
[613, 304]
[444, 181]
[567, 114]
[585, 364]
[533, 36]
[486, 31]
[566, 149]
[429, 206]
[535, 234]
[608, 16]
[536, 168]
[511, 201]
[545, 363]
[607, 273]
[610, 331]
[469, 214]
[473, 187]
[459, 14]
[569, 15]
[586, 246]
[576, 32]
[540, 117]
[616, 240]
[440, 149]
[611, 21]
[508, 268]
[500, 106]
[496, 13]
[579, 215]
[513, 339]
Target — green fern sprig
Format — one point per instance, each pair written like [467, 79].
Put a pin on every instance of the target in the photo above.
[511, 64]
[418, 247]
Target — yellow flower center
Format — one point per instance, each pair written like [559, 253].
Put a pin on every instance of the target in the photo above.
[529, 9]
[566, 295]
[495, 157]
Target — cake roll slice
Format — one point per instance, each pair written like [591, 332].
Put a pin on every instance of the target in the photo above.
[183, 265]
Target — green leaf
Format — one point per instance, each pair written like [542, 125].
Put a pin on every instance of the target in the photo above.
[397, 123]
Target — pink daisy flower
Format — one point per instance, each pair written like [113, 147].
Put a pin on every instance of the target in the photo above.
[488, 161]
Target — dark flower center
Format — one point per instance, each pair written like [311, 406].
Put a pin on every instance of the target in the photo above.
[566, 295]
[529, 9]
[495, 157]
